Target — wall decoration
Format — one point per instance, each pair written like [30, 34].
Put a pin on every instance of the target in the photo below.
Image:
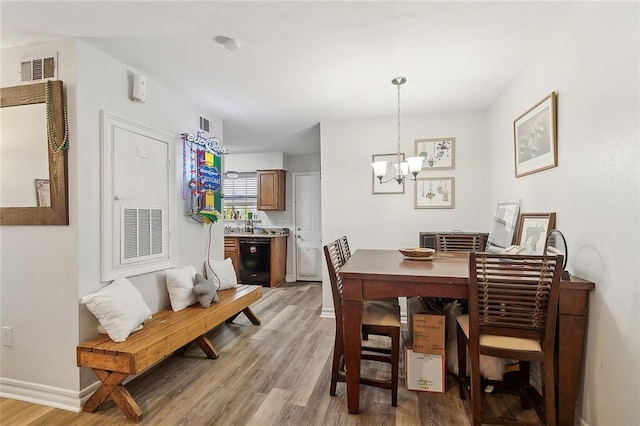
[503, 226]
[43, 193]
[439, 153]
[533, 229]
[203, 181]
[391, 188]
[435, 193]
[535, 137]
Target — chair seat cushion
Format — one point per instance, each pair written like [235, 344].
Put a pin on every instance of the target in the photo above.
[378, 312]
[501, 342]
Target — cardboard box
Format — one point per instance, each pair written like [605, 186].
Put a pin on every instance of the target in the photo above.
[424, 372]
[428, 334]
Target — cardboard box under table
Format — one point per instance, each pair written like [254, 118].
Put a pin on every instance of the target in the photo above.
[423, 372]
[428, 333]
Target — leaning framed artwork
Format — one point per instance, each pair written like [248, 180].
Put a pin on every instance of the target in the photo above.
[533, 229]
[535, 137]
[503, 226]
[434, 193]
[392, 187]
[43, 193]
[438, 153]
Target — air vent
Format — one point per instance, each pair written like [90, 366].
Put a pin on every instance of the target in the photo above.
[39, 68]
[141, 234]
[204, 125]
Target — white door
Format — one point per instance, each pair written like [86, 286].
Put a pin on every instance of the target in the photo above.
[308, 228]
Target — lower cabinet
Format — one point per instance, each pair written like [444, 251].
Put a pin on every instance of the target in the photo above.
[258, 260]
[231, 250]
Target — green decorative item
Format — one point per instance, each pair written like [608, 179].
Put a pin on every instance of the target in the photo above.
[51, 135]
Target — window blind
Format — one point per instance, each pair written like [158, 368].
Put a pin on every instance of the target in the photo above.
[242, 191]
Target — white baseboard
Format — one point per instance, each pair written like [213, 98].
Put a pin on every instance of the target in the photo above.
[327, 313]
[50, 396]
[289, 278]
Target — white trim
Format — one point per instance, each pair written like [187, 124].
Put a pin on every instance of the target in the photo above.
[327, 313]
[49, 396]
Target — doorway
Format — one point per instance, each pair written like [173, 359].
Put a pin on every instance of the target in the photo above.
[307, 239]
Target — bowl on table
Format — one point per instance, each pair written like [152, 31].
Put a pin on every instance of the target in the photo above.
[419, 253]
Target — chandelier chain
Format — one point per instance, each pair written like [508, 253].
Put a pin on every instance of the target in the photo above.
[398, 118]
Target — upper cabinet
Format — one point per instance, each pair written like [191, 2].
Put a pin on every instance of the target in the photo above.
[271, 190]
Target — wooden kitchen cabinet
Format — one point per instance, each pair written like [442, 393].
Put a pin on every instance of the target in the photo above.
[271, 190]
[232, 250]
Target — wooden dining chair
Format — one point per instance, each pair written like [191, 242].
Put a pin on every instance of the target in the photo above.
[513, 304]
[378, 318]
[459, 242]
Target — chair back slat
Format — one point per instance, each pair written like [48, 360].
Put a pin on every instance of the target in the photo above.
[333, 256]
[514, 295]
[344, 249]
[458, 242]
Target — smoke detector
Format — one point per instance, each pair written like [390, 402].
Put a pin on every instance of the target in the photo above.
[228, 43]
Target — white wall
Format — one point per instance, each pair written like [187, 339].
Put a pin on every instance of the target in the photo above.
[39, 273]
[46, 269]
[592, 63]
[390, 220]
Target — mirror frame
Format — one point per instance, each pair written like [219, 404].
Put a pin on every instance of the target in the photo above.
[58, 212]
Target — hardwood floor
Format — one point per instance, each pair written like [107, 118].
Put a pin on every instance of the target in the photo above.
[277, 373]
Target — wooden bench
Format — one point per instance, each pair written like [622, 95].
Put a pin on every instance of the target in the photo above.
[161, 336]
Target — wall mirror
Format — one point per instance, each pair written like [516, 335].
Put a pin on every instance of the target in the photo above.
[33, 155]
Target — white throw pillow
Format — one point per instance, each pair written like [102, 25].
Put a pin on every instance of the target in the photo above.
[119, 307]
[180, 287]
[221, 272]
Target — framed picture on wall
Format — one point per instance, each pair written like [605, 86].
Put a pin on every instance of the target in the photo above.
[535, 137]
[438, 153]
[434, 193]
[391, 186]
[533, 229]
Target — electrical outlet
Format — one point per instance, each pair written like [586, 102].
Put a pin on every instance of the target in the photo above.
[7, 336]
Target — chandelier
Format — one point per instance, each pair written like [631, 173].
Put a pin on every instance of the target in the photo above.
[413, 165]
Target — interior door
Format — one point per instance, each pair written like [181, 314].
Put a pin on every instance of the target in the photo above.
[308, 227]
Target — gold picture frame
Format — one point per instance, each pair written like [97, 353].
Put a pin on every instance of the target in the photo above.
[438, 153]
[434, 193]
[535, 138]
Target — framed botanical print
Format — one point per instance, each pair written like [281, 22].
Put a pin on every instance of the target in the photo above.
[438, 153]
[388, 185]
[434, 193]
[535, 138]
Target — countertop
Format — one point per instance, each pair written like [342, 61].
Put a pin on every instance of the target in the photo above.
[250, 235]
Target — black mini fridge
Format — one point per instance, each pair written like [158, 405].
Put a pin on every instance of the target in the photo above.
[255, 261]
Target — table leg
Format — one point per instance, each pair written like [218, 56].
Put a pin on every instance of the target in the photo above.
[352, 315]
[571, 331]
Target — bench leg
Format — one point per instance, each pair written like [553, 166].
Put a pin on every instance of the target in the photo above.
[252, 317]
[249, 313]
[207, 347]
[112, 387]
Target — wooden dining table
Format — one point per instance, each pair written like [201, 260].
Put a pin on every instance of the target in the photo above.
[375, 274]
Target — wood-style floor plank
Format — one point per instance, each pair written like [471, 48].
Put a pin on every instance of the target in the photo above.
[277, 373]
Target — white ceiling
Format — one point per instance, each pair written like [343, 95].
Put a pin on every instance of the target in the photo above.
[300, 63]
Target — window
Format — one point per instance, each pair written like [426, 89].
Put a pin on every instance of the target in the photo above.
[241, 193]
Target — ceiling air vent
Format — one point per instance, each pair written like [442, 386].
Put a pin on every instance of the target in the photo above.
[39, 68]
